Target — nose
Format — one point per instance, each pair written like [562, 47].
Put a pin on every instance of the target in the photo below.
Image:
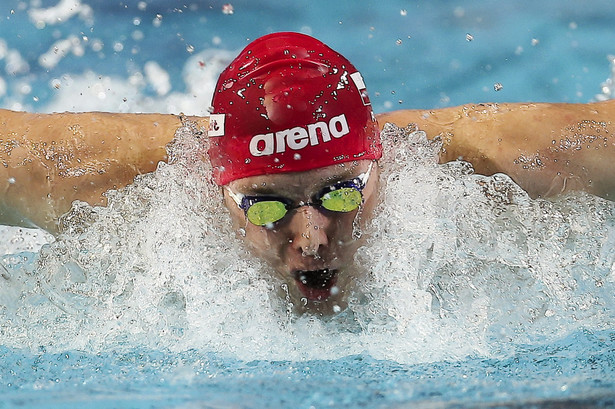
[309, 231]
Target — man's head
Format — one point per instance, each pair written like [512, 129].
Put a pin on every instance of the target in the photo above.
[293, 140]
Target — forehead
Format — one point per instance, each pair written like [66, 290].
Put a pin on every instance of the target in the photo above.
[300, 182]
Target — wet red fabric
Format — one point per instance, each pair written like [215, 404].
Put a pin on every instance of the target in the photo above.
[289, 103]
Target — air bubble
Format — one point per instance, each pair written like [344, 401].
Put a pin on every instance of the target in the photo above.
[469, 37]
[297, 156]
[403, 12]
[498, 86]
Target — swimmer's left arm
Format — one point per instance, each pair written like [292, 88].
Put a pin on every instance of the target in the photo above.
[546, 148]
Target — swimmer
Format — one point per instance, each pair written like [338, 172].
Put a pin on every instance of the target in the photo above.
[294, 145]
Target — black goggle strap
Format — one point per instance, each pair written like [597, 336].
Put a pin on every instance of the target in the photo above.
[244, 202]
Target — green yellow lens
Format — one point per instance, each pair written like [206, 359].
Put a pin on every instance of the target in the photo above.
[266, 212]
[345, 199]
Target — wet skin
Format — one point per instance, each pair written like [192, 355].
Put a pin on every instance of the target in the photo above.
[311, 249]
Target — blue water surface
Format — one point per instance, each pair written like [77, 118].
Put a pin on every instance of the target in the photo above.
[575, 372]
[412, 54]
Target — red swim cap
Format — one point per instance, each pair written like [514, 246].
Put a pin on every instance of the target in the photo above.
[289, 103]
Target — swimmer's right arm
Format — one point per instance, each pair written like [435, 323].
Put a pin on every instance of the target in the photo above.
[547, 149]
[49, 160]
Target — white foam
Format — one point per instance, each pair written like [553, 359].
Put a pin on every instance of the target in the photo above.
[59, 50]
[94, 92]
[607, 88]
[64, 10]
[15, 64]
[157, 77]
[19, 239]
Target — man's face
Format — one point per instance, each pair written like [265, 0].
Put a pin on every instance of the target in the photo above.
[311, 248]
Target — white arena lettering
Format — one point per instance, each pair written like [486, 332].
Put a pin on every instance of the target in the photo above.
[298, 137]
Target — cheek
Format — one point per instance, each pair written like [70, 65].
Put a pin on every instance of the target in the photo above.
[340, 232]
[264, 243]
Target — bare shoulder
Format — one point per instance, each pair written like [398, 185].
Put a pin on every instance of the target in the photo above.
[547, 148]
[49, 160]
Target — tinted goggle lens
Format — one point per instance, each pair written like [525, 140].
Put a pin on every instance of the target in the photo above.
[266, 212]
[344, 199]
[263, 212]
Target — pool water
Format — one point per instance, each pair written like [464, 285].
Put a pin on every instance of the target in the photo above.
[478, 296]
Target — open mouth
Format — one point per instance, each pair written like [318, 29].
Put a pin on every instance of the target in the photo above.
[316, 285]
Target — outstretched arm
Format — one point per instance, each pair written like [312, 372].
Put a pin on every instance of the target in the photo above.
[49, 160]
[546, 148]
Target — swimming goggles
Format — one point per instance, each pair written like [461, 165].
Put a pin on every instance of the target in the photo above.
[342, 197]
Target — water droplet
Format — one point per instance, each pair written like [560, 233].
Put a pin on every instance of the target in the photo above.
[535, 41]
[12, 181]
[242, 232]
[459, 12]
[248, 160]
[398, 42]
[4, 273]
[297, 156]
[498, 86]
[190, 48]
[403, 12]
[228, 9]
[469, 37]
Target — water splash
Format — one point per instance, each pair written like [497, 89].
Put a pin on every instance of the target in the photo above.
[607, 88]
[501, 266]
[450, 253]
